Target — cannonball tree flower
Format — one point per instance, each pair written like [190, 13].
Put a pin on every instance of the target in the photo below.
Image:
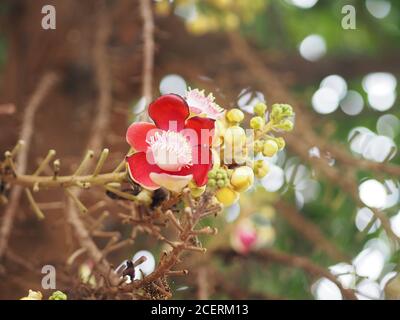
[200, 104]
[173, 150]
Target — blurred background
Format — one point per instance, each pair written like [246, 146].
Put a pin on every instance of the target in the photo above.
[308, 226]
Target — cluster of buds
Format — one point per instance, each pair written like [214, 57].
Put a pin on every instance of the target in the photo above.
[37, 295]
[280, 119]
[219, 14]
[236, 168]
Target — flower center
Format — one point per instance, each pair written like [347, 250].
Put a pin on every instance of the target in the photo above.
[171, 150]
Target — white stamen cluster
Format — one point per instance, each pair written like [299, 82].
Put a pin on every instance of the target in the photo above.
[200, 103]
[171, 150]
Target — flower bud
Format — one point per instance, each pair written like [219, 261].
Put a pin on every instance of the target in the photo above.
[242, 178]
[196, 191]
[261, 169]
[58, 295]
[235, 137]
[276, 112]
[258, 146]
[212, 183]
[270, 148]
[260, 109]
[287, 110]
[285, 125]
[281, 143]
[257, 123]
[33, 295]
[235, 116]
[227, 196]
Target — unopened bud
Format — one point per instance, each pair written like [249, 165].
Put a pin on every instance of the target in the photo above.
[270, 148]
[242, 178]
[235, 116]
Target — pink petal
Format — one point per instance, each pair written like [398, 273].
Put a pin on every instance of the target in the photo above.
[169, 112]
[138, 133]
[170, 181]
[247, 238]
[199, 130]
[139, 170]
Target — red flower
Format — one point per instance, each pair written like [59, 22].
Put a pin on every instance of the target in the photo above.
[172, 151]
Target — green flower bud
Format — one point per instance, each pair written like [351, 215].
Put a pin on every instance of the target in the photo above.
[212, 183]
[221, 183]
[260, 109]
[58, 295]
[257, 123]
[211, 174]
[276, 112]
[285, 125]
[287, 110]
[280, 142]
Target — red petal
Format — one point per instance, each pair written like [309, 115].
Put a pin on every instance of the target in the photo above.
[137, 133]
[169, 112]
[202, 164]
[199, 130]
[139, 170]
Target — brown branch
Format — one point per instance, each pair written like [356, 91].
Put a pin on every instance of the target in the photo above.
[192, 216]
[148, 51]
[96, 138]
[293, 261]
[47, 82]
[223, 282]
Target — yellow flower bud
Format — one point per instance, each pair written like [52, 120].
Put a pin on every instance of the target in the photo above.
[257, 123]
[200, 25]
[235, 115]
[270, 148]
[258, 146]
[235, 137]
[227, 196]
[33, 295]
[162, 8]
[260, 109]
[196, 191]
[261, 169]
[242, 178]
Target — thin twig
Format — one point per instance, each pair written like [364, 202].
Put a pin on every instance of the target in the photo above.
[47, 83]
[299, 262]
[148, 52]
